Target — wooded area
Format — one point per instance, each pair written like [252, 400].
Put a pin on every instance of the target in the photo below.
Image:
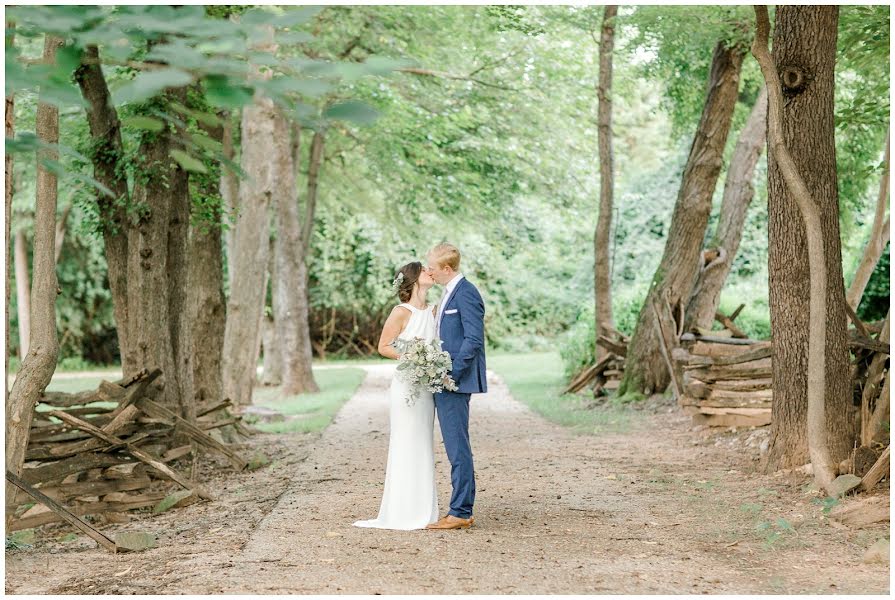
[686, 200]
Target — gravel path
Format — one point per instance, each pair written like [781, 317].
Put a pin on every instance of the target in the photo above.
[654, 509]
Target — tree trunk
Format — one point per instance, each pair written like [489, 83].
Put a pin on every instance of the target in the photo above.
[10, 134]
[40, 362]
[290, 302]
[251, 246]
[23, 292]
[738, 194]
[272, 374]
[645, 372]
[602, 278]
[229, 190]
[148, 267]
[60, 231]
[804, 57]
[272, 371]
[207, 305]
[178, 227]
[876, 245]
[108, 169]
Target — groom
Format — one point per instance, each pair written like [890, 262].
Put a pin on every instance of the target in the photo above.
[460, 323]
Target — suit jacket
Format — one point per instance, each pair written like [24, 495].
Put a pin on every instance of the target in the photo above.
[462, 333]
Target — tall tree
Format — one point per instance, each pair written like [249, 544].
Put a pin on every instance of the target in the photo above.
[107, 154]
[40, 362]
[251, 243]
[178, 258]
[155, 269]
[23, 291]
[206, 303]
[806, 385]
[10, 134]
[291, 310]
[645, 372]
[602, 279]
[738, 194]
[876, 245]
[229, 187]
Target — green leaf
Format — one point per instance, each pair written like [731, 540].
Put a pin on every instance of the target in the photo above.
[220, 92]
[354, 111]
[187, 162]
[383, 65]
[145, 123]
[206, 118]
[297, 16]
[286, 85]
[151, 83]
[293, 37]
[205, 142]
[68, 58]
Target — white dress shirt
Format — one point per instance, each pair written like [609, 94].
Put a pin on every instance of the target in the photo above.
[448, 290]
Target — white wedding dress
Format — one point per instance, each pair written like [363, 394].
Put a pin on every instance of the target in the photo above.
[409, 500]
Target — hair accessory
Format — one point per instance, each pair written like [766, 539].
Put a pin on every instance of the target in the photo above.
[397, 283]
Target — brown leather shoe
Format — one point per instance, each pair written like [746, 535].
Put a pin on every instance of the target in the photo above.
[451, 522]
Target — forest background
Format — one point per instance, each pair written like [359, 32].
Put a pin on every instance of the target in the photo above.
[488, 139]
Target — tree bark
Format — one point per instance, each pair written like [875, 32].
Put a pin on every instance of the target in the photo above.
[23, 292]
[645, 372]
[251, 245]
[40, 362]
[148, 283]
[108, 169]
[10, 134]
[229, 190]
[290, 302]
[178, 227]
[272, 374]
[207, 305]
[738, 194]
[876, 245]
[810, 366]
[60, 230]
[272, 371]
[602, 277]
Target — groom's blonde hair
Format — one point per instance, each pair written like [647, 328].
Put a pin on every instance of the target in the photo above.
[446, 255]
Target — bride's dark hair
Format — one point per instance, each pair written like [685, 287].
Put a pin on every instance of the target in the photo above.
[411, 272]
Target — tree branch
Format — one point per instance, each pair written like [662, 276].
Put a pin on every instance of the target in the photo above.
[444, 75]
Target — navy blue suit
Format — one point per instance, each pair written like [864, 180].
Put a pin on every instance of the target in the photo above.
[462, 332]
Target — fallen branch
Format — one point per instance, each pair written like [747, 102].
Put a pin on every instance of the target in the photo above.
[63, 512]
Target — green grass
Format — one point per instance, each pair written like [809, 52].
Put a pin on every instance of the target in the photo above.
[315, 410]
[536, 379]
[312, 412]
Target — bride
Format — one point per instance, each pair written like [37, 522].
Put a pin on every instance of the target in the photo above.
[409, 500]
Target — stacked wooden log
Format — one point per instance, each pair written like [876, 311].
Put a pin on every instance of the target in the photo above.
[114, 449]
[606, 374]
[869, 344]
[724, 381]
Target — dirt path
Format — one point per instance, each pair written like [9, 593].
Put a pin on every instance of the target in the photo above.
[652, 510]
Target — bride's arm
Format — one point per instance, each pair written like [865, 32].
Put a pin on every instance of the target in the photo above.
[394, 325]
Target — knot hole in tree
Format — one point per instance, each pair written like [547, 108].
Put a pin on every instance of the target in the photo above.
[794, 79]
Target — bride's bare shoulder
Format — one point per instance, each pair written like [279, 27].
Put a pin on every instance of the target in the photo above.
[400, 312]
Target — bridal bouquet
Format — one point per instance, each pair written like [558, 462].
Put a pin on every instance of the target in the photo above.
[425, 366]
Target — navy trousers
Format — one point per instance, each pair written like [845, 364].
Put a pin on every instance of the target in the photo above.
[453, 416]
